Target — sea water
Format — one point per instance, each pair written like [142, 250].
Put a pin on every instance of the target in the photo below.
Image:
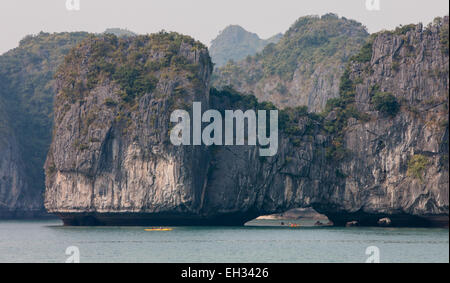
[259, 241]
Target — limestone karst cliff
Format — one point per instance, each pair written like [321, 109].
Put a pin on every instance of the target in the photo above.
[395, 159]
[111, 151]
[379, 149]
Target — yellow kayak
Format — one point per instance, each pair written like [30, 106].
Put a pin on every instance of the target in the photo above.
[159, 229]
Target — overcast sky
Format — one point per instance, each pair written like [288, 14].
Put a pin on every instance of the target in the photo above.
[202, 19]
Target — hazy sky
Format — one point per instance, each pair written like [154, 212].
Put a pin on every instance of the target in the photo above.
[202, 19]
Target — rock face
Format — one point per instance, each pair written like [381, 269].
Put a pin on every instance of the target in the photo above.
[398, 164]
[235, 43]
[303, 68]
[380, 151]
[111, 152]
[26, 107]
[239, 180]
[17, 199]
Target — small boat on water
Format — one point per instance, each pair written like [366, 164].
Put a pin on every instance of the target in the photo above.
[290, 225]
[158, 229]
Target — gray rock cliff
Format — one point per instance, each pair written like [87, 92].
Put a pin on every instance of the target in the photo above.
[398, 164]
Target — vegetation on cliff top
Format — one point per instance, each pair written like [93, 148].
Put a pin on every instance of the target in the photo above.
[134, 64]
[315, 49]
[309, 41]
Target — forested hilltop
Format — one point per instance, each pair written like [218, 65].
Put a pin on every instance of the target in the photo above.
[303, 68]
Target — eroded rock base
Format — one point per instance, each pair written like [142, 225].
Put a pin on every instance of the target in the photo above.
[398, 220]
[143, 219]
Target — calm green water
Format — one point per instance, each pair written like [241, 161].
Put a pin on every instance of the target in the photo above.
[46, 241]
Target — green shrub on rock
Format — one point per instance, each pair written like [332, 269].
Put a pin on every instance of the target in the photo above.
[386, 103]
[417, 166]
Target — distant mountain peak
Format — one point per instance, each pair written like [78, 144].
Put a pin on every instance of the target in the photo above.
[120, 32]
[235, 43]
[302, 67]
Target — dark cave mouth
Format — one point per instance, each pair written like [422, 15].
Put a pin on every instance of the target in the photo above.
[298, 217]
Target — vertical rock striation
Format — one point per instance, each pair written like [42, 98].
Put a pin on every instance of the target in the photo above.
[17, 197]
[111, 152]
[398, 160]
